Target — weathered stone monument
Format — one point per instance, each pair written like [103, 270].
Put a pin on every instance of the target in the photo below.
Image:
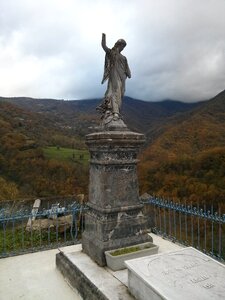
[114, 218]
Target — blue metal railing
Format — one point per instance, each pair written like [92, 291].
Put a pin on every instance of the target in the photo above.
[28, 231]
[202, 228]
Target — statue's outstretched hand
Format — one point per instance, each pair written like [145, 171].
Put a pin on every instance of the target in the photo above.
[104, 42]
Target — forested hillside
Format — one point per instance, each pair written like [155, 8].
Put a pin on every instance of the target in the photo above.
[24, 170]
[80, 115]
[187, 160]
[46, 128]
[184, 156]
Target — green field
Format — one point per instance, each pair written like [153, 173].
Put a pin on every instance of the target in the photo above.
[67, 154]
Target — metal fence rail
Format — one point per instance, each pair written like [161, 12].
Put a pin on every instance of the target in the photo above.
[202, 228]
[30, 231]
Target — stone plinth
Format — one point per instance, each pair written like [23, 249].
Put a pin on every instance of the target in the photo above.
[114, 218]
[92, 281]
[184, 274]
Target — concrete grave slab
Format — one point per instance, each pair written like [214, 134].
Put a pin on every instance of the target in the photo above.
[184, 274]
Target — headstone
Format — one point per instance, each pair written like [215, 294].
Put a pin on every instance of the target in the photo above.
[184, 274]
[34, 212]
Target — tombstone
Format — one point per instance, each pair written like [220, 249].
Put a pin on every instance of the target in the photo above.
[184, 274]
[34, 212]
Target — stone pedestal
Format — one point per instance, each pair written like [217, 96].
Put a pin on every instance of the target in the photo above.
[114, 218]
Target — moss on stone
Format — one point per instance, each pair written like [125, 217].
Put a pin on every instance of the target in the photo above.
[127, 250]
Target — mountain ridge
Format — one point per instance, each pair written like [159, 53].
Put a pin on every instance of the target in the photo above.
[138, 114]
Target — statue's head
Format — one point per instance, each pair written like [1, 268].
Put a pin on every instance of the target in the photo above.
[120, 44]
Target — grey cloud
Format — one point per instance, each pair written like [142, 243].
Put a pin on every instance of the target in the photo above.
[175, 49]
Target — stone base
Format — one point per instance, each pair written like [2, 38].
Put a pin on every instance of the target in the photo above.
[113, 124]
[108, 229]
[91, 281]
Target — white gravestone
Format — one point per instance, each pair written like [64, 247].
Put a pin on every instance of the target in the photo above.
[183, 275]
[34, 212]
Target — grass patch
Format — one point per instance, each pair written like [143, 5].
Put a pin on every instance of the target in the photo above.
[18, 239]
[67, 154]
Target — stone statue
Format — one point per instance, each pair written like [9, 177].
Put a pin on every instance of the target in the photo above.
[116, 71]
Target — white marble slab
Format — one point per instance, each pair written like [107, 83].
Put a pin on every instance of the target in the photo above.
[183, 274]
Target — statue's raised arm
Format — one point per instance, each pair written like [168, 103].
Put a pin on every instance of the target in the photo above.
[116, 71]
[106, 49]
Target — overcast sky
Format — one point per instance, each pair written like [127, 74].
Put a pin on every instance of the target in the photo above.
[51, 48]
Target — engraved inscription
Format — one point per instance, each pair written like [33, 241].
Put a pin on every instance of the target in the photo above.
[199, 278]
[191, 265]
[180, 269]
[208, 286]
